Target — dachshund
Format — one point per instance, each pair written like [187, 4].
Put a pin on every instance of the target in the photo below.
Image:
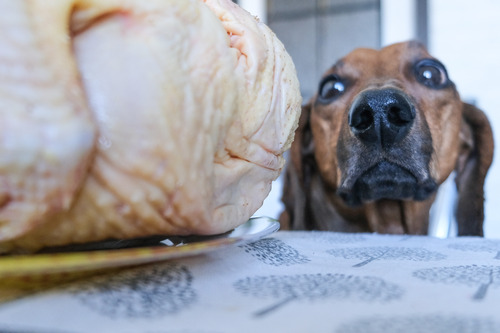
[385, 129]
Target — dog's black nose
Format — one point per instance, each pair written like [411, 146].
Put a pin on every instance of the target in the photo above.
[381, 115]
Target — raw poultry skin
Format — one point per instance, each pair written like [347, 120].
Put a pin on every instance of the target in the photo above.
[139, 118]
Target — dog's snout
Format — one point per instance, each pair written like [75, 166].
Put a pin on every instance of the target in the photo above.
[382, 116]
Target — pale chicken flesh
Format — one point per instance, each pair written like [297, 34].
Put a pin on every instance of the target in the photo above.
[125, 118]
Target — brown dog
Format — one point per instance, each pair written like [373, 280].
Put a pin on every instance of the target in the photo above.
[385, 129]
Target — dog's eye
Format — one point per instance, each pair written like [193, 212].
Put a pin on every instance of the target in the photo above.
[330, 88]
[431, 73]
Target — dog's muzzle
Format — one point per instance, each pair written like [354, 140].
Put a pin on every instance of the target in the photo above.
[381, 120]
[388, 181]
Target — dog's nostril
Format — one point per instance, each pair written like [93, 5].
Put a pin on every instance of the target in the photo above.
[362, 120]
[397, 116]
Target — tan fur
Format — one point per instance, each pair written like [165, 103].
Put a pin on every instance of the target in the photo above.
[461, 140]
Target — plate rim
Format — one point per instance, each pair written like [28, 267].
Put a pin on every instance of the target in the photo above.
[95, 260]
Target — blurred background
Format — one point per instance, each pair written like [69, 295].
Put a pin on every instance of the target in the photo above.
[463, 34]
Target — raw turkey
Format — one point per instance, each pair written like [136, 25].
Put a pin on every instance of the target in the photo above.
[125, 118]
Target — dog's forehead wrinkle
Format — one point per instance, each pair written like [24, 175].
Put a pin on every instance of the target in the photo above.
[338, 65]
[415, 44]
[345, 70]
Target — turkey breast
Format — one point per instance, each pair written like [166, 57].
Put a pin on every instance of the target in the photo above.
[124, 118]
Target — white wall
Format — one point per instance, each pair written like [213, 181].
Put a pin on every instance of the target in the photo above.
[465, 36]
[255, 7]
[398, 20]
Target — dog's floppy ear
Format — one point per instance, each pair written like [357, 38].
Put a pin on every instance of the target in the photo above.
[297, 175]
[475, 157]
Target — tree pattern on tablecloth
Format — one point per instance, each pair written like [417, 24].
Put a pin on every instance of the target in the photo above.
[369, 254]
[139, 293]
[479, 276]
[275, 252]
[481, 245]
[285, 289]
[421, 323]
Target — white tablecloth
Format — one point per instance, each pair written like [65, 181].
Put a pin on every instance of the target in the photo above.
[287, 282]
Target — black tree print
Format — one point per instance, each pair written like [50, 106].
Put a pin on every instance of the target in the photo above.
[275, 252]
[310, 287]
[422, 323]
[481, 277]
[480, 246]
[369, 254]
[157, 290]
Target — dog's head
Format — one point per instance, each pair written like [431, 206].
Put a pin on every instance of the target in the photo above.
[384, 130]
